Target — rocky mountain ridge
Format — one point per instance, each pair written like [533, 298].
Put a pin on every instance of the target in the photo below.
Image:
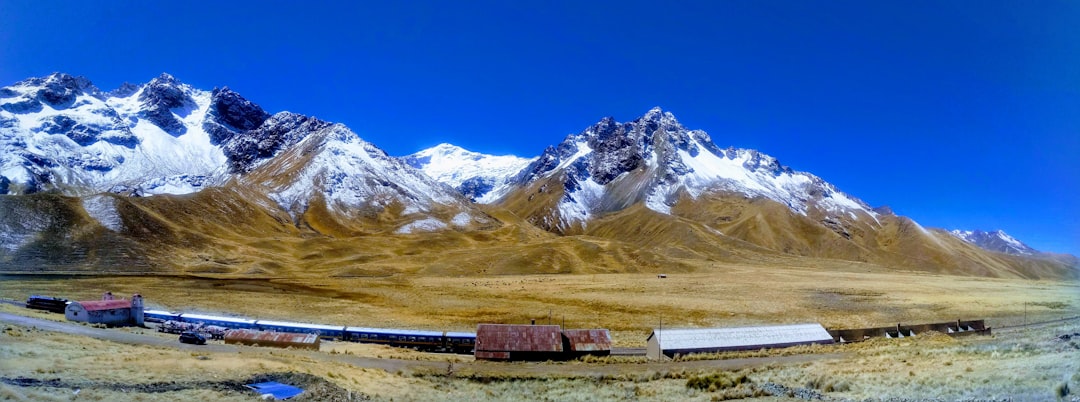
[235, 189]
[63, 135]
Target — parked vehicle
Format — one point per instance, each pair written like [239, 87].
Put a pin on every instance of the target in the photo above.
[192, 338]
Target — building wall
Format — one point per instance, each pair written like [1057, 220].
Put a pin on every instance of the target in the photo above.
[652, 350]
[137, 310]
[76, 312]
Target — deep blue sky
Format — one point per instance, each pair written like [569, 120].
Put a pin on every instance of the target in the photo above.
[957, 114]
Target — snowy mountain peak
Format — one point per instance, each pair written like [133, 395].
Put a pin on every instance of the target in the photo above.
[60, 133]
[165, 101]
[230, 114]
[480, 177]
[654, 159]
[996, 240]
[657, 114]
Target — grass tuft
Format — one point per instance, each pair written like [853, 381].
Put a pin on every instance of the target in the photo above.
[717, 381]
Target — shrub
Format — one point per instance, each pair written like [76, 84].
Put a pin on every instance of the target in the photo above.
[1061, 390]
[716, 381]
[825, 384]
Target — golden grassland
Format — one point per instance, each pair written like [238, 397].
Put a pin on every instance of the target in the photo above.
[1031, 364]
[1023, 365]
[846, 295]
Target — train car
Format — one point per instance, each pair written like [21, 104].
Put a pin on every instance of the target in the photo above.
[324, 331]
[227, 322]
[459, 342]
[160, 316]
[47, 303]
[420, 340]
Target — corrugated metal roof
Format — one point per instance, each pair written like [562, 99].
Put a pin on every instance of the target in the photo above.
[518, 338]
[588, 340]
[96, 305]
[740, 337]
[270, 338]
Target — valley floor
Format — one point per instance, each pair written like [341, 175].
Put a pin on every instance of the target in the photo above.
[1015, 363]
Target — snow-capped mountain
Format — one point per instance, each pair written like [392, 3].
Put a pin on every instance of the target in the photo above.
[355, 179]
[656, 160]
[62, 134]
[996, 240]
[483, 178]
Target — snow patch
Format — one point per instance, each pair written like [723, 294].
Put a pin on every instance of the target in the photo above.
[461, 219]
[423, 225]
[103, 209]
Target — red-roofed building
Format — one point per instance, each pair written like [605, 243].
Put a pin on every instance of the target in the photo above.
[110, 312]
[518, 342]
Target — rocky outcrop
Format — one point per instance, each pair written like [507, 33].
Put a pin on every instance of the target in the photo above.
[160, 98]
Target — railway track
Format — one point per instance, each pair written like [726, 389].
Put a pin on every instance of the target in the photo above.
[1035, 324]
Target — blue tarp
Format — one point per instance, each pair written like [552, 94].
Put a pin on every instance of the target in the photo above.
[276, 389]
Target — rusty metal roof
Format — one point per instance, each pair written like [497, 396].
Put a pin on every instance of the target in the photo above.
[97, 305]
[518, 338]
[588, 340]
[267, 337]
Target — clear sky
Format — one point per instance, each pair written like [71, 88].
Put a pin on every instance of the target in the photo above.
[959, 114]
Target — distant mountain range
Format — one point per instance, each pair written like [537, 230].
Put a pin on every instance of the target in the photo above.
[163, 176]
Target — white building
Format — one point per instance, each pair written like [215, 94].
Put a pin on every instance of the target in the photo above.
[108, 311]
[669, 342]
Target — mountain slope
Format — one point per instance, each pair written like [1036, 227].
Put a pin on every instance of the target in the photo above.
[481, 178]
[997, 240]
[334, 174]
[614, 180]
[165, 178]
[655, 160]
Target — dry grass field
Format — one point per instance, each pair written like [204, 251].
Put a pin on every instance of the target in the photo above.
[847, 295]
[1033, 364]
[1018, 364]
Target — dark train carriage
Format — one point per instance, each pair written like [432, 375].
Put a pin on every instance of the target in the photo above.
[323, 331]
[459, 342]
[422, 340]
[47, 303]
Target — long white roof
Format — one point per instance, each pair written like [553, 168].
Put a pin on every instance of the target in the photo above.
[301, 325]
[193, 316]
[737, 337]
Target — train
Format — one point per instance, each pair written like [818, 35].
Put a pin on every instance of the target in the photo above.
[47, 303]
[432, 341]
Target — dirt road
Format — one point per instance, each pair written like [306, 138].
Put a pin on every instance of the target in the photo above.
[573, 369]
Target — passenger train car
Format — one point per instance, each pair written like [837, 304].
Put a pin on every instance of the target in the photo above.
[160, 316]
[227, 322]
[457, 342]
